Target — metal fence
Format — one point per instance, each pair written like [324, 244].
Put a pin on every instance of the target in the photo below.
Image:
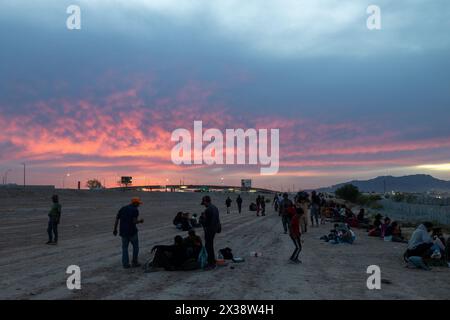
[415, 212]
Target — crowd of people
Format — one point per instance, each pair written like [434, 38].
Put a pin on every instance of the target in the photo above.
[426, 246]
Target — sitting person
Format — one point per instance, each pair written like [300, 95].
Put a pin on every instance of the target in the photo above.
[182, 221]
[193, 245]
[332, 235]
[194, 221]
[384, 226]
[346, 235]
[342, 213]
[394, 233]
[178, 219]
[423, 249]
[351, 219]
[336, 216]
[169, 257]
[421, 242]
[341, 233]
[375, 229]
[439, 241]
[361, 216]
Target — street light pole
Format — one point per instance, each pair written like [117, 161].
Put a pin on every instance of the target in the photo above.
[24, 174]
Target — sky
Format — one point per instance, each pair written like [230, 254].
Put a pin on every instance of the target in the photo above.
[101, 102]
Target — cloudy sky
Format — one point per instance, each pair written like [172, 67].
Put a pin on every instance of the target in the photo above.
[102, 101]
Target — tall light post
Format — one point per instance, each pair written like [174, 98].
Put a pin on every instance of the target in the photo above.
[24, 174]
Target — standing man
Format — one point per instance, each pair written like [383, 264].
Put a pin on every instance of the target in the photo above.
[128, 217]
[285, 204]
[211, 226]
[295, 234]
[239, 203]
[54, 217]
[228, 204]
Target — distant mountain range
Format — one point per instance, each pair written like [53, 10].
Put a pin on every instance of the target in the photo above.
[412, 183]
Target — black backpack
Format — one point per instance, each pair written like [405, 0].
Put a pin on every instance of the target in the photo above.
[226, 253]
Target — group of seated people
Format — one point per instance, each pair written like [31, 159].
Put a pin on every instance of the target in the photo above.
[184, 222]
[427, 246]
[341, 233]
[387, 229]
[341, 213]
[182, 255]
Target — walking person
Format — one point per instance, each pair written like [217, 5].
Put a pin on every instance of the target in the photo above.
[315, 208]
[211, 226]
[239, 203]
[128, 217]
[228, 204]
[285, 204]
[275, 202]
[263, 205]
[258, 205]
[295, 234]
[54, 217]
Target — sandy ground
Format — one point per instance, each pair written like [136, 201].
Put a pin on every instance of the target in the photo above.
[30, 269]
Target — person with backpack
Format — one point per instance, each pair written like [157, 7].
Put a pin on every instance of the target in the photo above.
[239, 203]
[228, 204]
[54, 217]
[128, 217]
[211, 225]
[285, 204]
[295, 234]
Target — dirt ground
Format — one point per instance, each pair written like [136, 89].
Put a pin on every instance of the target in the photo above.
[30, 269]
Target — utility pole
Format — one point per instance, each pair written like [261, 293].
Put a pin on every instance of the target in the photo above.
[24, 174]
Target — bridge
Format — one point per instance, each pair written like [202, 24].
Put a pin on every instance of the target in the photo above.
[193, 188]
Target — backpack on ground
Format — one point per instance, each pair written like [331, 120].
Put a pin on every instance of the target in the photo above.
[226, 253]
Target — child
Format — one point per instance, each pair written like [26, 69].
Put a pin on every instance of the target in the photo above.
[294, 232]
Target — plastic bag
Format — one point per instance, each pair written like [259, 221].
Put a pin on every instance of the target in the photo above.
[203, 258]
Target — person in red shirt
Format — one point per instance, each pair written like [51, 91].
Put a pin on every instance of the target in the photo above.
[294, 232]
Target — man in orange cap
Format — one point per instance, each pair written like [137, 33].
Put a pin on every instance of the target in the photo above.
[128, 217]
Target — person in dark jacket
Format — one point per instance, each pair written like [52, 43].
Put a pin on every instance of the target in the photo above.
[239, 203]
[211, 226]
[128, 217]
[54, 217]
[228, 204]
